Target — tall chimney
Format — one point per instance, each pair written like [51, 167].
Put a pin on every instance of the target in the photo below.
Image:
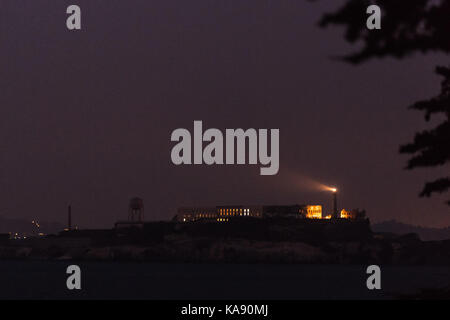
[69, 225]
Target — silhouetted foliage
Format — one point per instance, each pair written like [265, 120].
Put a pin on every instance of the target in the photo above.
[432, 147]
[407, 27]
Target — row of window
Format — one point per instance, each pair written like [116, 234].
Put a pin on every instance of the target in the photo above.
[222, 212]
[311, 214]
[234, 212]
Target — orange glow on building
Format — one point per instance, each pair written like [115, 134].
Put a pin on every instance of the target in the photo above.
[347, 214]
[229, 213]
[314, 212]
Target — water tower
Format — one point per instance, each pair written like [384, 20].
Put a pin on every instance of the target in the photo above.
[136, 209]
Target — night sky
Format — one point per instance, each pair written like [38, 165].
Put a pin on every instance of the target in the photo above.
[86, 116]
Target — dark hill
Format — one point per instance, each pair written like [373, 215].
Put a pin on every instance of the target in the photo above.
[426, 234]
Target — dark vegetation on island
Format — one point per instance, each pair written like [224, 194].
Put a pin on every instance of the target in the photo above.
[243, 240]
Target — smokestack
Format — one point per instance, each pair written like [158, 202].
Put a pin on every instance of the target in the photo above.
[69, 213]
[335, 210]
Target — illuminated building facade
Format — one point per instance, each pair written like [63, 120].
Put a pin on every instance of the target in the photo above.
[225, 213]
[352, 214]
[314, 212]
[187, 214]
[219, 213]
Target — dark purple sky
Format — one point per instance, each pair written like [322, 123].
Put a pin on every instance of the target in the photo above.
[86, 116]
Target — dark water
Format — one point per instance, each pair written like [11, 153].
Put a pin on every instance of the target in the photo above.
[47, 280]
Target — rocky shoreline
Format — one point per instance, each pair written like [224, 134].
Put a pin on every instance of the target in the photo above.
[381, 249]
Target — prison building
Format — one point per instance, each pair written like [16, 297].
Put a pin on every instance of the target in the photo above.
[239, 211]
[225, 213]
[189, 214]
